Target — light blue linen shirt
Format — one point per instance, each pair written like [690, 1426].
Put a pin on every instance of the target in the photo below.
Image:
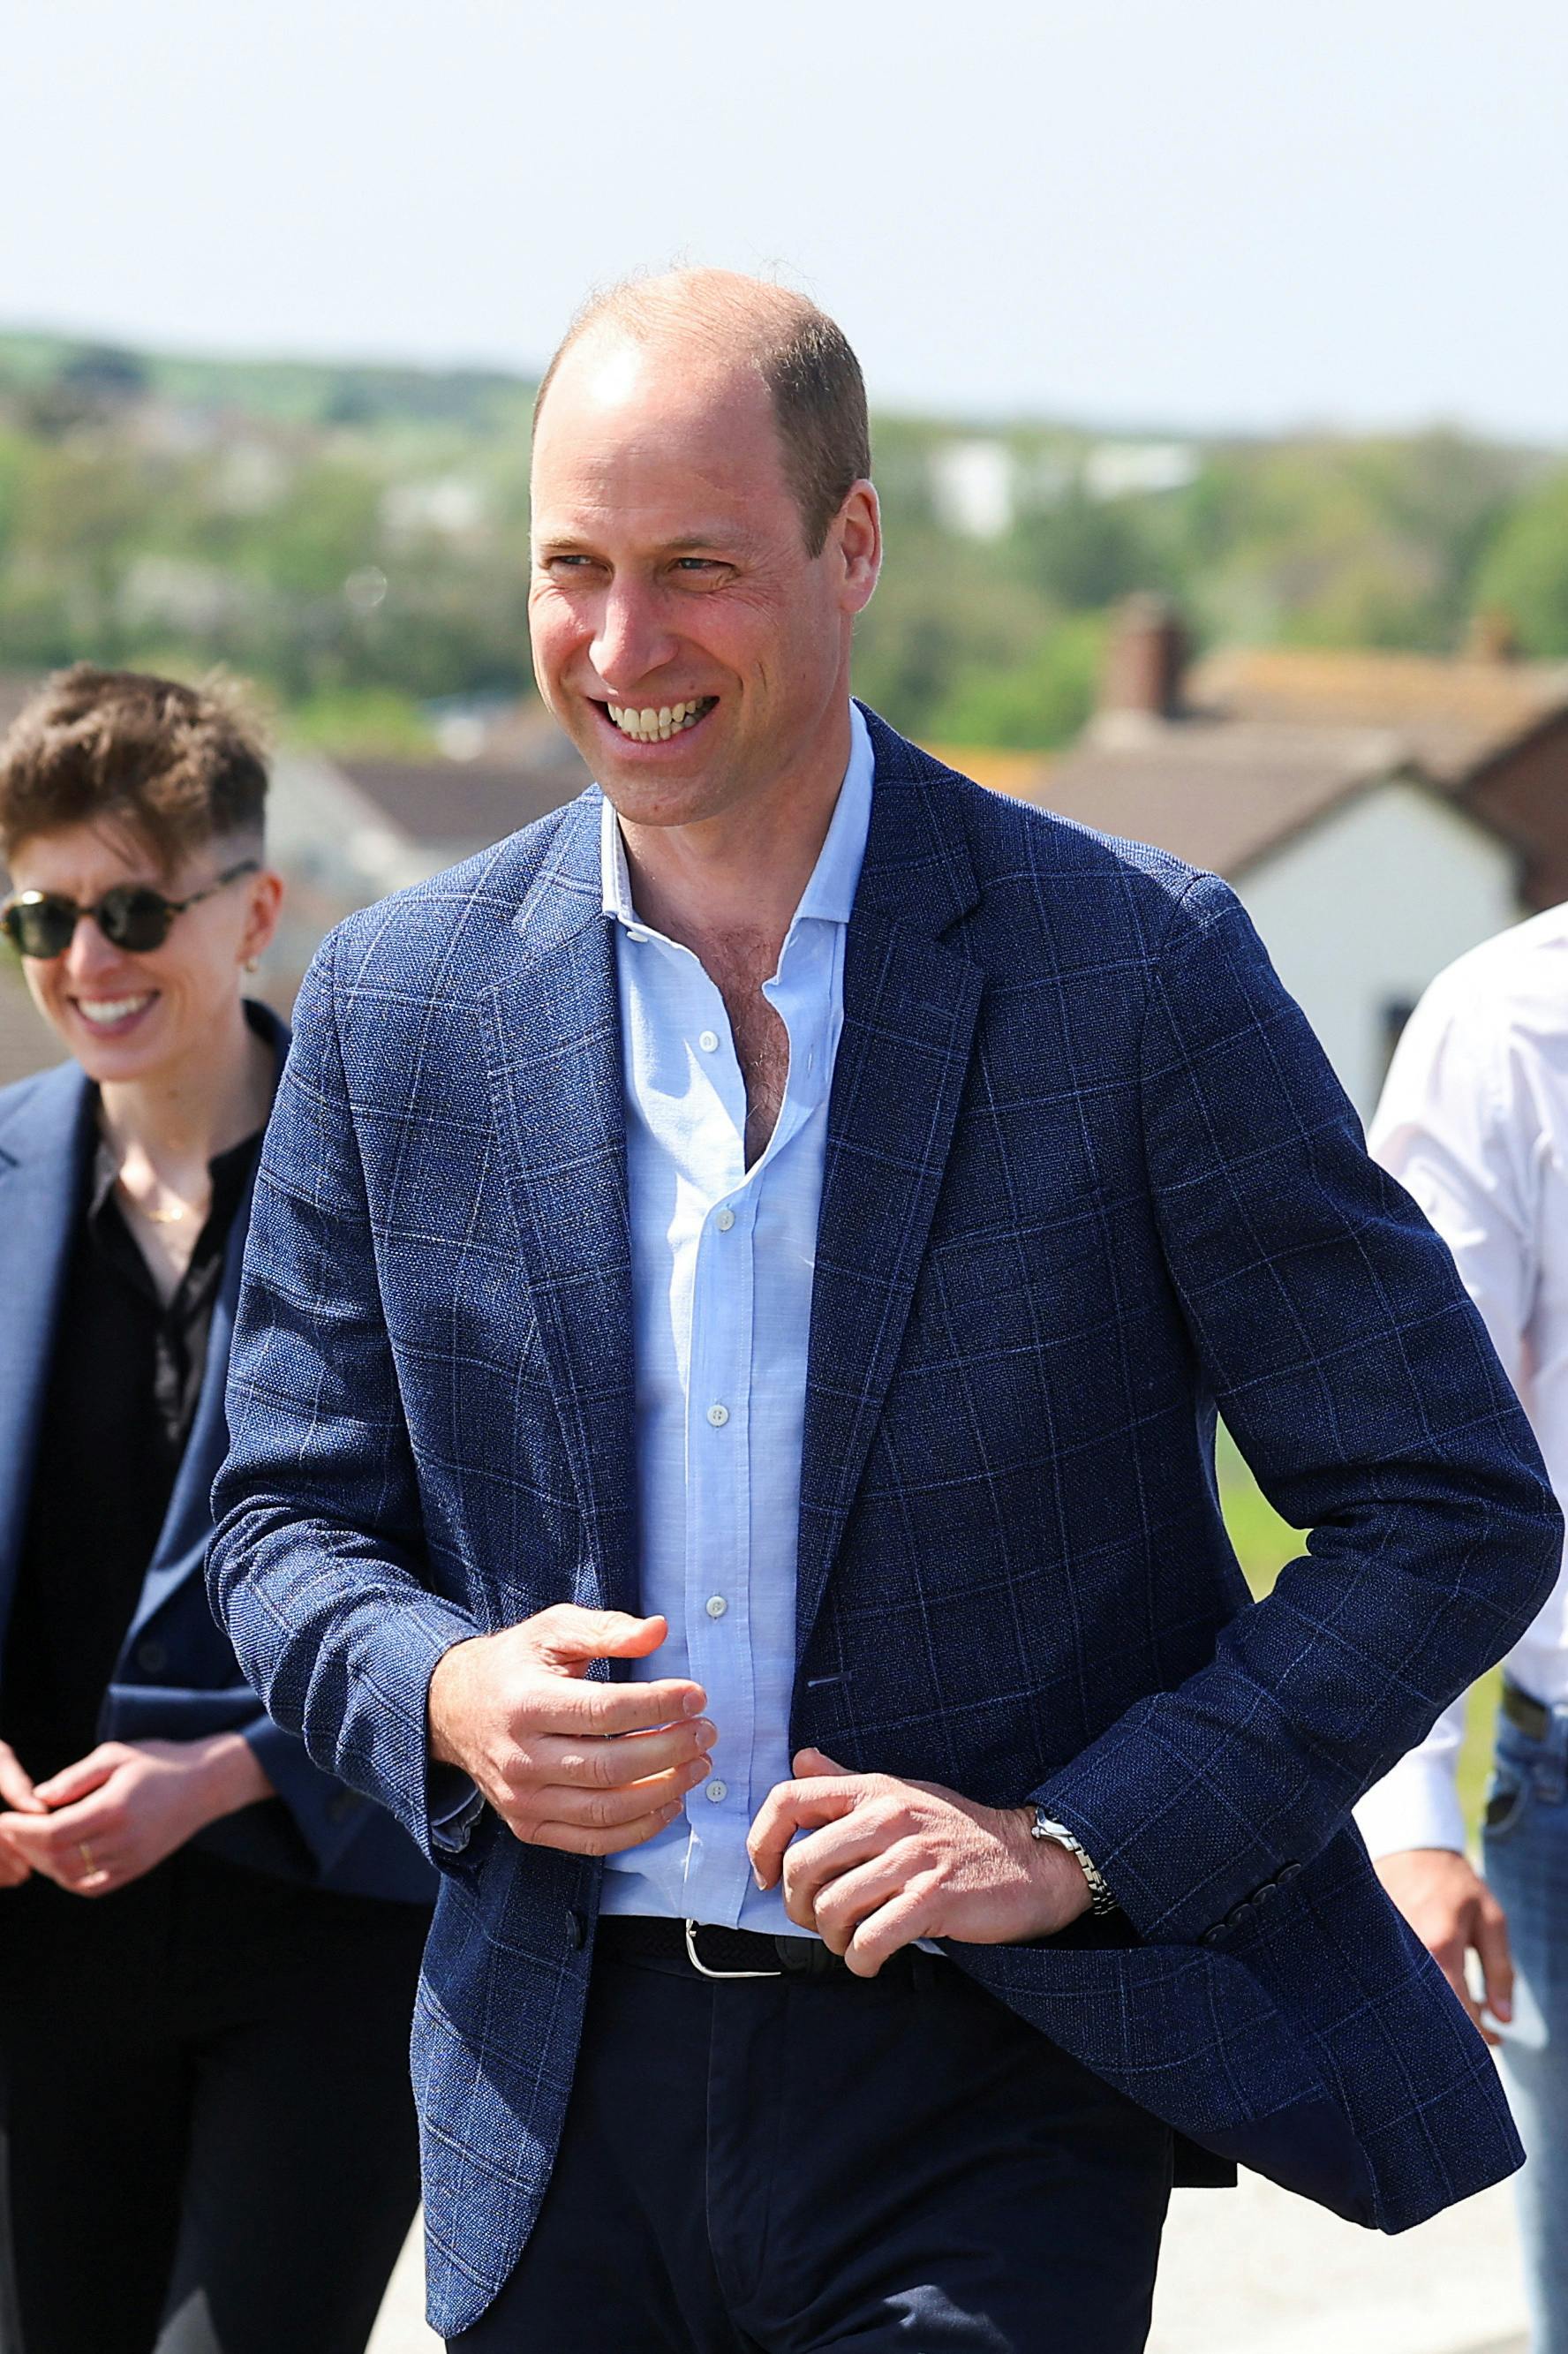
[722, 1264]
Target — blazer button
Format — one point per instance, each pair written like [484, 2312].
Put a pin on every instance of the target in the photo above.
[1286, 1873]
[152, 1657]
[576, 1928]
[1213, 1936]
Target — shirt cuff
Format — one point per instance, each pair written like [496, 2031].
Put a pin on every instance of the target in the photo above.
[1416, 1805]
[455, 1808]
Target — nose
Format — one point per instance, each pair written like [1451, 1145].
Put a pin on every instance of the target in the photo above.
[631, 640]
[89, 957]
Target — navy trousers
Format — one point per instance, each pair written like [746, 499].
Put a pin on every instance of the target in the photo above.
[781, 2165]
[207, 2142]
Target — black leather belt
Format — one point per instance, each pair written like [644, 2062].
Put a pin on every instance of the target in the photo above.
[709, 1951]
[1528, 1715]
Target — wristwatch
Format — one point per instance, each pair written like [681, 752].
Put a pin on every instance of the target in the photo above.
[1044, 1827]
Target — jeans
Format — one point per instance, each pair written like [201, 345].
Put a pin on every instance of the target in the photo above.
[1525, 1854]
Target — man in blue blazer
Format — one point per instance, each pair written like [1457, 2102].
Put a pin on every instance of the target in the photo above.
[743, 1278]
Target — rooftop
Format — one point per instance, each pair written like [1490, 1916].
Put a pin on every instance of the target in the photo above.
[1452, 713]
[1220, 793]
[464, 804]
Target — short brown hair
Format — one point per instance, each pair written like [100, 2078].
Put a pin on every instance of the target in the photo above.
[812, 377]
[178, 766]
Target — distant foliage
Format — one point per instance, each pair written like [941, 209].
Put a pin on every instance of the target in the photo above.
[1033, 704]
[356, 540]
[1526, 572]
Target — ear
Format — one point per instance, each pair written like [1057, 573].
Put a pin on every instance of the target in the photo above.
[266, 898]
[856, 532]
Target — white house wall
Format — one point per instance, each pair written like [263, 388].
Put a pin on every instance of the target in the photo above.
[1362, 910]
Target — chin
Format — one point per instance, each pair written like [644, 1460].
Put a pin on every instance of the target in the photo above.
[665, 801]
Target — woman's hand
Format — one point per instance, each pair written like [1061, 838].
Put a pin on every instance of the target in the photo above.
[16, 1791]
[117, 1812]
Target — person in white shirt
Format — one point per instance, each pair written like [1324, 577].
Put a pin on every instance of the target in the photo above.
[1474, 1123]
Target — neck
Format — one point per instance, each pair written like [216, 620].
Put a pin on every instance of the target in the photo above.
[182, 1118]
[744, 870]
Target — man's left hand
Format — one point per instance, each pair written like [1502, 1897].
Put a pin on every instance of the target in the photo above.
[885, 1862]
[122, 1809]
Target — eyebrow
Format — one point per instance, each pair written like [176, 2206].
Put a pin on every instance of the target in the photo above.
[570, 542]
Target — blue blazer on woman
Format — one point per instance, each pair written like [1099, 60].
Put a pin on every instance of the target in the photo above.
[1088, 1178]
[176, 1676]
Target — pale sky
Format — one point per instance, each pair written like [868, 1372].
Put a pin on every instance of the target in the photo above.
[1222, 215]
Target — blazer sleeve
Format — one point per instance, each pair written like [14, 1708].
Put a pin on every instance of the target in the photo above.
[1337, 1340]
[326, 1816]
[318, 1567]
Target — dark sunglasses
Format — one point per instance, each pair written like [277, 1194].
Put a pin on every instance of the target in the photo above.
[133, 916]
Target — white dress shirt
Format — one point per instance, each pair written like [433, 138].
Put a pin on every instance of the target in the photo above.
[723, 1259]
[1474, 1123]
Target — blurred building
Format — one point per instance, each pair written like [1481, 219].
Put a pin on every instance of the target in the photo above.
[1377, 814]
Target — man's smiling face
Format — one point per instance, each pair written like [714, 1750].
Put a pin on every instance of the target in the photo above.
[686, 641]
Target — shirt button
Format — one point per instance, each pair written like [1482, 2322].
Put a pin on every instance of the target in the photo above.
[718, 1415]
[636, 933]
[724, 1221]
[708, 1041]
[716, 1791]
[717, 1606]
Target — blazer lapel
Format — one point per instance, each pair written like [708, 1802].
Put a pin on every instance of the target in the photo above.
[41, 1154]
[556, 1088]
[188, 1523]
[910, 1007]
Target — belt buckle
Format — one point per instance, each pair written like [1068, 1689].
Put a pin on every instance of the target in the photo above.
[698, 1964]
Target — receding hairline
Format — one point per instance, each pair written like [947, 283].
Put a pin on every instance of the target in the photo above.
[731, 319]
[802, 358]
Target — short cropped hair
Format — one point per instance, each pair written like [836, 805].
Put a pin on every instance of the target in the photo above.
[812, 377]
[177, 766]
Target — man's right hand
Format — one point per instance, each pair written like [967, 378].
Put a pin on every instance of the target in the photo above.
[1454, 1913]
[591, 1767]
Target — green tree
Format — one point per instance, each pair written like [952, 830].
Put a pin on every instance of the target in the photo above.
[1032, 706]
[1084, 553]
[1525, 572]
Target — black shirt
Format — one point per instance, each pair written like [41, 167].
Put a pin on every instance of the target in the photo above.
[124, 1380]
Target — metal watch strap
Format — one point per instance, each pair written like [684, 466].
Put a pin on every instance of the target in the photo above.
[1044, 1827]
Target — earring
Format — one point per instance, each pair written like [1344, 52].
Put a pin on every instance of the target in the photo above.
[252, 964]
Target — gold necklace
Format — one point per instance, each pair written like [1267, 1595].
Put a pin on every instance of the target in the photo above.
[154, 1217]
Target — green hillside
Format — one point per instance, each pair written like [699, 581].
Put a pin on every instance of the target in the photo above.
[356, 538]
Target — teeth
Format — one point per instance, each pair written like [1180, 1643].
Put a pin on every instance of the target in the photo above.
[651, 727]
[107, 1010]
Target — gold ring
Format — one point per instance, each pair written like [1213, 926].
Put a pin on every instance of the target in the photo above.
[85, 1852]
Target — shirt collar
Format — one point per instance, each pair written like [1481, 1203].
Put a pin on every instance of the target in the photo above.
[829, 892]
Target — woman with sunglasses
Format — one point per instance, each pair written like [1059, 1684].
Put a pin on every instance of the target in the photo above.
[208, 1946]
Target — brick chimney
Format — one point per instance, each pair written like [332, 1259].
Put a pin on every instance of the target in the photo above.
[1144, 662]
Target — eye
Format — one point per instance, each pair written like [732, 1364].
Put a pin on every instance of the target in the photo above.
[700, 566]
[563, 562]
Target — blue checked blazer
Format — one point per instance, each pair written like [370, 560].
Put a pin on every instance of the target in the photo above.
[1089, 1181]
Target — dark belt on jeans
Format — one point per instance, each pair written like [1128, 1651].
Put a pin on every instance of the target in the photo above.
[1528, 1715]
[708, 1950]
